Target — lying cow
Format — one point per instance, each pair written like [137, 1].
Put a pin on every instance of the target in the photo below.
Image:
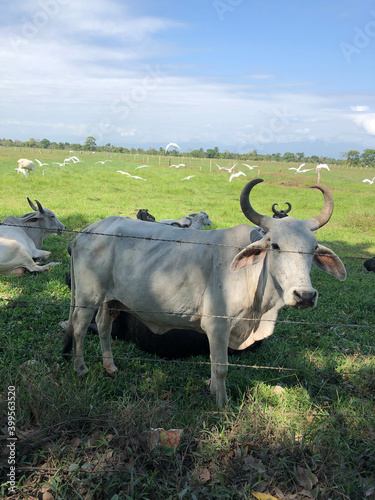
[194, 221]
[214, 282]
[143, 214]
[21, 240]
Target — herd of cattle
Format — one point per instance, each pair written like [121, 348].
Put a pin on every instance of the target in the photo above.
[215, 290]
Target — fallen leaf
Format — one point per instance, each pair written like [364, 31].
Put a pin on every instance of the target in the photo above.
[75, 442]
[264, 496]
[254, 463]
[203, 474]
[307, 494]
[306, 478]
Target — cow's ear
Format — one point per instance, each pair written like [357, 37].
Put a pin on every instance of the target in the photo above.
[249, 256]
[327, 261]
[32, 218]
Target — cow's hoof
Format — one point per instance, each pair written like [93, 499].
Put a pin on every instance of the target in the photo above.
[112, 372]
[82, 370]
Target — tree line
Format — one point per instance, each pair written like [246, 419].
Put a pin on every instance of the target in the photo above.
[353, 157]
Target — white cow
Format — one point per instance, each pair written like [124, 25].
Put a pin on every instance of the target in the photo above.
[194, 221]
[213, 282]
[21, 240]
[25, 164]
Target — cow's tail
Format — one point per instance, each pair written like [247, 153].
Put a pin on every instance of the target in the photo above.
[69, 331]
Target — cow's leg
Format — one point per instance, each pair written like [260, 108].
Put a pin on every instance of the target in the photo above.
[218, 340]
[104, 320]
[41, 254]
[82, 317]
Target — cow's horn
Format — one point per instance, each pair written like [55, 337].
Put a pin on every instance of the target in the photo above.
[260, 220]
[327, 210]
[281, 212]
[32, 204]
[39, 207]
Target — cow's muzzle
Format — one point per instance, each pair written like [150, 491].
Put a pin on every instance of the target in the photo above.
[304, 299]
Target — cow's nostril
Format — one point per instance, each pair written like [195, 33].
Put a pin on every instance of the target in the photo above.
[305, 298]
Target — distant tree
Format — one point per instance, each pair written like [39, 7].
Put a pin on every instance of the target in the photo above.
[197, 153]
[368, 157]
[45, 143]
[314, 158]
[90, 143]
[300, 156]
[213, 153]
[61, 145]
[31, 143]
[352, 157]
[289, 157]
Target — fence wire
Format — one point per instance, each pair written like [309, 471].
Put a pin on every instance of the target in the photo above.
[180, 241]
[22, 302]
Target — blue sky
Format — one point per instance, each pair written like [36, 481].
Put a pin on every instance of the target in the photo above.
[238, 74]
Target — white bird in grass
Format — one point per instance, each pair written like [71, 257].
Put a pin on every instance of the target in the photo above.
[177, 166]
[368, 180]
[224, 168]
[298, 170]
[102, 162]
[142, 166]
[21, 170]
[188, 177]
[40, 163]
[75, 159]
[133, 176]
[248, 166]
[237, 174]
[322, 165]
[137, 177]
[57, 163]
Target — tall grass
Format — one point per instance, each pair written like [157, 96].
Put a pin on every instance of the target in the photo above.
[310, 408]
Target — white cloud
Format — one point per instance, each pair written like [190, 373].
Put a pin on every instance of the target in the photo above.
[96, 71]
[366, 121]
[359, 108]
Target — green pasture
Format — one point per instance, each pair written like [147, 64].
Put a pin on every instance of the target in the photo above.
[300, 419]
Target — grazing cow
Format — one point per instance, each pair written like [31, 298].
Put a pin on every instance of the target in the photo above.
[213, 282]
[21, 240]
[369, 264]
[25, 164]
[194, 221]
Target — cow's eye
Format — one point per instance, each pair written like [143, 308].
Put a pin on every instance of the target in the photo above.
[275, 246]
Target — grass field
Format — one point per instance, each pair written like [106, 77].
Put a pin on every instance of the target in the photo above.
[300, 422]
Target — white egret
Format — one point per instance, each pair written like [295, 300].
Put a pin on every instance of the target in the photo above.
[237, 174]
[40, 163]
[170, 145]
